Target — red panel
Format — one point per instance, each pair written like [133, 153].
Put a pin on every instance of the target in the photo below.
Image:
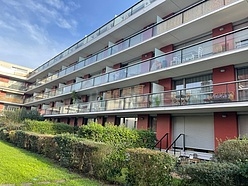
[117, 66]
[225, 126]
[72, 120]
[80, 121]
[224, 74]
[2, 93]
[167, 48]
[147, 87]
[100, 120]
[86, 76]
[163, 127]
[84, 98]
[167, 84]
[4, 79]
[142, 123]
[111, 119]
[147, 56]
[1, 106]
[67, 101]
[222, 29]
[70, 82]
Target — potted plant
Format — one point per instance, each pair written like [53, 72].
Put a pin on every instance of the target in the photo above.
[157, 100]
[74, 97]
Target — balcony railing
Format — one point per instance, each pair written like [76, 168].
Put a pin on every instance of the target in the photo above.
[15, 86]
[211, 47]
[216, 93]
[11, 99]
[164, 26]
[122, 17]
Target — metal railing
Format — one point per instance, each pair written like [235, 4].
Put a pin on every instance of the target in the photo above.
[115, 21]
[139, 37]
[173, 144]
[208, 94]
[159, 142]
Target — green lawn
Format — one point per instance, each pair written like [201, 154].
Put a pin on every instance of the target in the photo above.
[18, 166]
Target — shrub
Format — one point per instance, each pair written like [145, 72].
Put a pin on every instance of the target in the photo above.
[118, 135]
[232, 151]
[211, 173]
[149, 167]
[20, 115]
[82, 155]
[47, 127]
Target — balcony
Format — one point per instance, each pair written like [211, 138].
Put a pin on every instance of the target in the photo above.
[117, 20]
[182, 18]
[234, 41]
[214, 96]
[11, 100]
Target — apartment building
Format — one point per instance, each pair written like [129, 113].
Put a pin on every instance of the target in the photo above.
[12, 85]
[179, 68]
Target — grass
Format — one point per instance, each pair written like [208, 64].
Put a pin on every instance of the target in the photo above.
[18, 166]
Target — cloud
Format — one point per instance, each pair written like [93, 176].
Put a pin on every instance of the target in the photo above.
[27, 30]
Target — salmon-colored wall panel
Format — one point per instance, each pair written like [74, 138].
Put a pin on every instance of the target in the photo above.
[222, 29]
[80, 121]
[225, 126]
[224, 74]
[117, 66]
[1, 106]
[142, 123]
[147, 56]
[72, 120]
[111, 119]
[163, 127]
[167, 48]
[167, 84]
[4, 79]
[146, 87]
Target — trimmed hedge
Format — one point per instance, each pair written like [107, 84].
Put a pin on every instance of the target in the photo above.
[47, 127]
[77, 154]
[38, 143]
[232, 151]
[118, 135]
[211, 173]
[82, 155]
[148, 167]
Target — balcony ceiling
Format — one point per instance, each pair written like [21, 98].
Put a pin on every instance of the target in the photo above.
[196, 66]
[126, 28]
[176, 35]
[176, 110]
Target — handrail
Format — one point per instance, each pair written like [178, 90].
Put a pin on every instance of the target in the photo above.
[126, 69]
[95, 54]
[160, 141]
[174, 142]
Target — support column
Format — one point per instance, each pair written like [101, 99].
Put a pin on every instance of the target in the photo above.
[80, 121]
[225, 126]
[163, 127]
[71, 121]
[111, 119]
[167, 84]
[142, 123]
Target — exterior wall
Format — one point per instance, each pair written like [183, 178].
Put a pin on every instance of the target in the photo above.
[163, 127]
[1, 106]
[142, 123]
[111, 119]
[72, 121]
[225, 126]
[80, 121]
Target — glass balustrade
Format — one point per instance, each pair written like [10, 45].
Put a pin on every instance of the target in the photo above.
[208, 48]
[133, 10]
[155, 30]
[210, 94]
